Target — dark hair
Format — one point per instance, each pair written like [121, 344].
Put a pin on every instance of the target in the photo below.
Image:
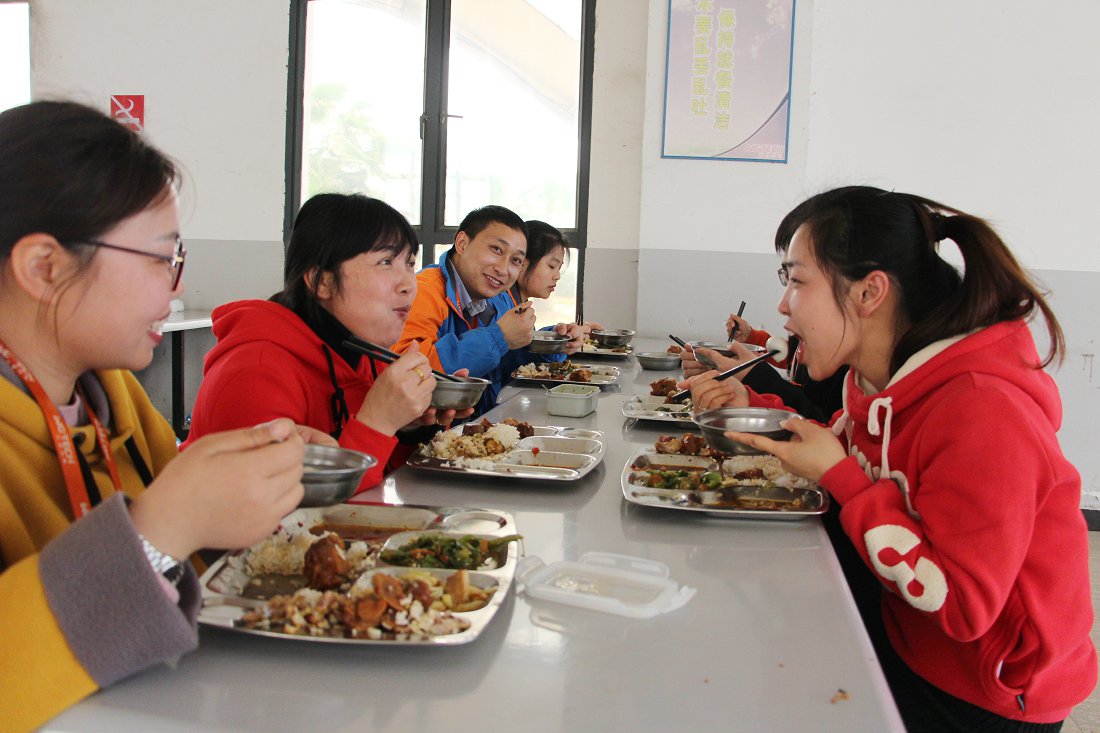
[331, 228]
[476, 221]
[542, 239]
[858, 229]
[72, 172]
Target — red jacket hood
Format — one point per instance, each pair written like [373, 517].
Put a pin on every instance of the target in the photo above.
[1005, 351]
[249, 321]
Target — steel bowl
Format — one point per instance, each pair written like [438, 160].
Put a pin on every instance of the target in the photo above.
[722, 349]
[458, 395]
[547, 342]
[330, 474]
[662, 360]
[760, 420]
[612, 337]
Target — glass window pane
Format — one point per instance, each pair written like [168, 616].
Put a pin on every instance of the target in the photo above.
[514, 78]
[364, 94]
[15, 55]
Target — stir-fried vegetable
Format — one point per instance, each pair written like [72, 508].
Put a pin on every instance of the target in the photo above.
[440, 551]
[683, 480]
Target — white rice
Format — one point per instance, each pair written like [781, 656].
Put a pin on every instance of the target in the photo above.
[772, 468]
[473, 451]
[284, 554]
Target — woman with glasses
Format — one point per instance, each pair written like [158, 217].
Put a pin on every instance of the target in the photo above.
[945, 460]
[97, 515]
[350, 272]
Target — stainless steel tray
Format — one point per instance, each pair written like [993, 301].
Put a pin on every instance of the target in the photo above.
[802, 502]
[226, 595]
[651, 407]
[565, 454]
[601, 375]
[600, 352]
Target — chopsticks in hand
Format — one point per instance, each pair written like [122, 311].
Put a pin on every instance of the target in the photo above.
[733, 331]
[385, 355]
[683, 395]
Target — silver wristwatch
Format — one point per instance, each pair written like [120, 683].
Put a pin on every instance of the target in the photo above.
[166, 565]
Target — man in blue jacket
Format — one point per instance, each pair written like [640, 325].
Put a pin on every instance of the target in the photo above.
[464, 316]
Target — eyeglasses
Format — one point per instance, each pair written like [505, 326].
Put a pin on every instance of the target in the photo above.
[784, 275]
[174, 261]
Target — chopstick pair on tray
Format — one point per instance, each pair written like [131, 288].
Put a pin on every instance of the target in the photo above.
[777, 348]
[385, 355]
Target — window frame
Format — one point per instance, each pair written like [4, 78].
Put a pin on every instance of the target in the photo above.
[431, 229]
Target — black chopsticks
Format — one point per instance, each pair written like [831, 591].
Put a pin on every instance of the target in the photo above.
[733, 331]
[681, 396]
[680, 342]
[385, 355]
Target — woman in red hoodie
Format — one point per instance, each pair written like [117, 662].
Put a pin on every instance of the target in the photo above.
[350, 271]
[945, 460]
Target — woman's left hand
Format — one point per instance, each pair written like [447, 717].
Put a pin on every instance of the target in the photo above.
[811, 451]
[589, 327]
[575, 334]
[433, 416]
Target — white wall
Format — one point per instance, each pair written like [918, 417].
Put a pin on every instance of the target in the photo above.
[214, 78]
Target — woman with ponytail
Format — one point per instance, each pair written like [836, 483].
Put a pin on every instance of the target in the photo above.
[945, 459]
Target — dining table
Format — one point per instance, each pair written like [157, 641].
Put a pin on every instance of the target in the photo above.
[770, 641]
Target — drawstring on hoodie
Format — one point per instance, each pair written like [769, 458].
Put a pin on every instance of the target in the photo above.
[875, 428]
[340, 413]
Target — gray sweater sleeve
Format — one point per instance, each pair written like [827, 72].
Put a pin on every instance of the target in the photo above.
[108, 600]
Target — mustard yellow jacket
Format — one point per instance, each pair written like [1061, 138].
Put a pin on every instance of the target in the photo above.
[80, 607]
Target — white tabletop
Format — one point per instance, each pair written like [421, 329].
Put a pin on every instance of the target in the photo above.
[186, 320]
[765, 645]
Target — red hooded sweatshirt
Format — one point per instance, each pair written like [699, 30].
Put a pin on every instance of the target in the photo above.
[268, 363]
[958, 497]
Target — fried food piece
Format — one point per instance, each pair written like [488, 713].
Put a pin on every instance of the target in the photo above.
[524, 428]
[674, 349]
[580, 375]
[476, 428]
[363, 613]
[457, 587]
[664, 387]
[693, 444]
[325, 566]
[668, 444]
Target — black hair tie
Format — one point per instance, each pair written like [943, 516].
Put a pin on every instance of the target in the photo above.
[939, 227]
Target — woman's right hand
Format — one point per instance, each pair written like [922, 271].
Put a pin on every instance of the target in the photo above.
[226, 491]
[401, 395]
[707, 393]
[743, 328]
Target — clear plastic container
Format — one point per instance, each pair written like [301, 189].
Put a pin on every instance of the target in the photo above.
[572, 400]
[604, 581]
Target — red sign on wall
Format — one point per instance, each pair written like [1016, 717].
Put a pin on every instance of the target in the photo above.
[129, 110]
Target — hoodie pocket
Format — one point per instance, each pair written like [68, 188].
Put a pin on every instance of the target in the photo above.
[1009, 659]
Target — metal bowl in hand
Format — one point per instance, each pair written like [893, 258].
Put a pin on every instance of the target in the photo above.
[458, 395]
[547, 342]
[330, 474]
[759, 420]
[609, 338]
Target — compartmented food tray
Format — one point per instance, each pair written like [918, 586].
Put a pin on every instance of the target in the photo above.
[538, 373]
[650, 407]
[239, 582]
[553, 453]
[591, 348]
[707, 484]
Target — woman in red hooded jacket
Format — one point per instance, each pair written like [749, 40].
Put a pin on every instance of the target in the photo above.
[350, 271]
[945, 460]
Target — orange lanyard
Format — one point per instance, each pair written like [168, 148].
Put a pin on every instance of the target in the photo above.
[63, 441]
